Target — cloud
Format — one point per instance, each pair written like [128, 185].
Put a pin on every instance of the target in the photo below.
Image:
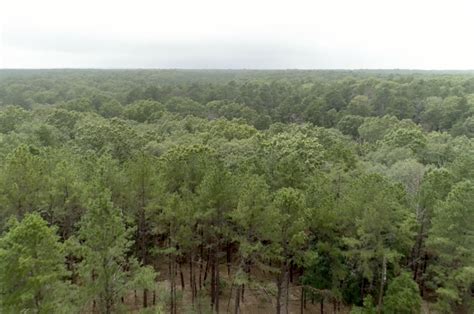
[237, 34]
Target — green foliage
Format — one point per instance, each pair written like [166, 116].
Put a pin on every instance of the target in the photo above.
[11, 117]
[22, 181]
[413, 139]
[452, 239]
[350, 125]
[108, 274]
[360, 105]
[143, 111]
[402, 296]
[113, 136]
[367, 308]
[338, 178]
[111, 109]
[32, 263]
[374, 129]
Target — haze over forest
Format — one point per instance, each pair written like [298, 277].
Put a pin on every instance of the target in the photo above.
[246, 34]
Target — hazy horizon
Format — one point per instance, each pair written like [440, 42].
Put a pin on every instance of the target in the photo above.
[209, 34]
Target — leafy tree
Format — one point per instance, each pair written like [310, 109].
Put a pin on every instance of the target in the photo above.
[374, 128]
[413, 139]
[80, 105]
[255, 228]
[401, 108]
[22, 181]
[403, 296]
[360, 106]
[143, 111]
[432, 116]
[67, 192]
[452, 239]
[380, 217]
[32, 263]
[350, 125]
[113, 136]
[291, 239]
[110, 109]
[289, 157]
[11, 117]
[107, 272]
[142, 185]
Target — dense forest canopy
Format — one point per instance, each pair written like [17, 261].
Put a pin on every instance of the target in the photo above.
[196, 190]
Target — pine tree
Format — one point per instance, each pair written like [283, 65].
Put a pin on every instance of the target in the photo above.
[107, 272]
[452, 239]
[32, 267]
[403, 296]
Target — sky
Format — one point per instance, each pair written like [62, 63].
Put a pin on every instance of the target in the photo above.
[237, 34]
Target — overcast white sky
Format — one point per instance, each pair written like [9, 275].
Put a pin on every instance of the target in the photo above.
[259, 34]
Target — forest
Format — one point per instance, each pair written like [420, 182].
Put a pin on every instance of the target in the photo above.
[236, 191]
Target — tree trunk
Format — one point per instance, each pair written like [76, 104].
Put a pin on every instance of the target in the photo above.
[417, 250]
[305, 298]
[145, 298]
[207, 265]
[291, 272]
[237, 300]
[278, 296]
[382, 283]
[213, 280]
[191, 277]
[281, 282]
[201, 260]
[287, 287]
[302, 300]
[229, 258]
[181, 275]
[425, 265]
[217, 283]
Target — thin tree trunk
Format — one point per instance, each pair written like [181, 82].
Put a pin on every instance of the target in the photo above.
[237, 300]
[145, 298]
[207, 265]
[417, 250]
[287, 287]
[278, 297]
[305, 298]
[217, 284]
[229, 258]
[201, 260]
[174, 286]
[191, 277]
[382, 283]
[181, 275]
[281, 296]
[302, 300]
[170, 274]
[213, 280]
[291, 272]
[425, 265]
